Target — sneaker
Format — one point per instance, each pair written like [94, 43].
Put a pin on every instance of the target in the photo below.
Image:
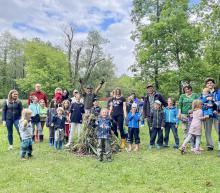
[210, 148]
[10, 147]
[68, 145]
[197, 152]
[158, 147]
[150, 147]
[166, 146]
[182, 150]
[175, 146]
[109, 159]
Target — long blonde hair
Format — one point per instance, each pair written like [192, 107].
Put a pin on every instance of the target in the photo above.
[197, 104]
[10, 95]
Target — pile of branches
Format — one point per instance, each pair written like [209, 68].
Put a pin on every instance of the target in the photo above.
[87, 144]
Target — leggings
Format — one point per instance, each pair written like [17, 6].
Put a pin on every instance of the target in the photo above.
[118, 122]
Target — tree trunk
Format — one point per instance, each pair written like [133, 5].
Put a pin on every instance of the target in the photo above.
[76, 71]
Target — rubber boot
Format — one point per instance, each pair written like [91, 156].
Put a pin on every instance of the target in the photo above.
[123, 143]
[136, 147]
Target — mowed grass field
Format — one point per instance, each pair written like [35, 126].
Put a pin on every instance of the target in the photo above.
[147, 171]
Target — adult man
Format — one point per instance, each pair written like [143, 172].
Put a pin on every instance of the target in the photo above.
[39, 94]
[89, 94]
[210, 84]
[149, 99]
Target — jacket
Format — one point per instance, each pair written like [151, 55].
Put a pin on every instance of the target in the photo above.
[35, 108]
[76, 110]
[59, 123]
[11, 110]
[133, 120]
[104, 128]
[170, 115]
[157, 119]
[146, 106]
[25, 132]
[40, 95]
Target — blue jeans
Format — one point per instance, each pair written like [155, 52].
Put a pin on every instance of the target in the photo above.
[171, 126]
[9, 125]
[26, 147]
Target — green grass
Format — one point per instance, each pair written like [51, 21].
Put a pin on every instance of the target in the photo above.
[148, 171]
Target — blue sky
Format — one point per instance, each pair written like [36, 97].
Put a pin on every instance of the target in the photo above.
[47, 18]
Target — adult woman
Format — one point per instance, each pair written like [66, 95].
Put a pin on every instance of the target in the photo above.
[11, 114]
[185, 105]
[118, 109]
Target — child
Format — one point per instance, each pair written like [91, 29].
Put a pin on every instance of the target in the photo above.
[96, 109]
[133, 127]
[76, 113]
[58, 96]
[104, 136]
[58, 123]
[51, 112]
[43, 114]
[26, 130]
[156, 125]
[66, 108]
[171, 122]
[208, 103]
[141, 104]
[35, 120]
[195, 129]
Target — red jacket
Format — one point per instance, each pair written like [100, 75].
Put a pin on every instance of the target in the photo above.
[40, 95]
[58, 97]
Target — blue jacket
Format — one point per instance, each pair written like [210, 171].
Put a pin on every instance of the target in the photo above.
[170, 115]
[104, 128]
[133, 120]
[76, 110]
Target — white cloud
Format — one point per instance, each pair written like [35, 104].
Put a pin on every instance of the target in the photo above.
[50, 17]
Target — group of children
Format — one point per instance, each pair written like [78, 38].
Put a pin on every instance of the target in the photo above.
[63, 117]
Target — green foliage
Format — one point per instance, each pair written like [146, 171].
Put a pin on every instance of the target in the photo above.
[45, 65]
[173, 50]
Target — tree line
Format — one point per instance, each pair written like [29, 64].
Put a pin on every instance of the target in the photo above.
[177, 43]
[24, 62]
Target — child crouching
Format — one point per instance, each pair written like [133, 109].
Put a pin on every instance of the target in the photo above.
[26, 131]
[104, 136]
[133, 127]
[59, 126]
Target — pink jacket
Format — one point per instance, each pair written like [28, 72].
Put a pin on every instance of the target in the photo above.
[196, 125]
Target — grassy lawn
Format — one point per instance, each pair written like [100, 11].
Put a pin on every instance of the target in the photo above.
[148, 171]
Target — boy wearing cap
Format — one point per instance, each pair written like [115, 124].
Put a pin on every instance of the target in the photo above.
[133, 127]
[156, 125]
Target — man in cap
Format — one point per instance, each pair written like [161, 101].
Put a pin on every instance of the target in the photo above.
[149, 100]
[89, 94]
